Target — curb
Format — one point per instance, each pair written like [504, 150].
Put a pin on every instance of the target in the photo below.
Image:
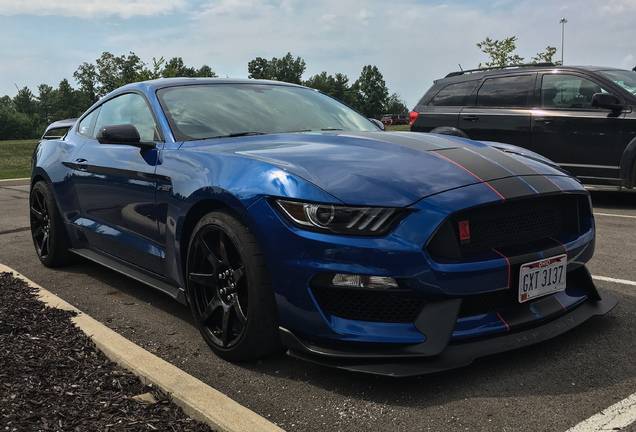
[198, 400]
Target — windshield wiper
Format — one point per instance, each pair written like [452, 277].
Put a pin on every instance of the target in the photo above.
[331, 129]
[240, 134]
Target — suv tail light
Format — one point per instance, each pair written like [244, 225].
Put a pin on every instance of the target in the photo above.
[412, 117]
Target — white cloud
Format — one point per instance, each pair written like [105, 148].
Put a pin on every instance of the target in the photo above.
[91, 8]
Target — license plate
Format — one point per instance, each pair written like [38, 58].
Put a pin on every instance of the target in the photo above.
[539, 278]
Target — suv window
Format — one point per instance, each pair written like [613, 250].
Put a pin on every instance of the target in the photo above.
[568, 91]
[454, 94]
[514, 91]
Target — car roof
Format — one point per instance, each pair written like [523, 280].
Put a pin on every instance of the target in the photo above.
[184, 81]
[504, 70]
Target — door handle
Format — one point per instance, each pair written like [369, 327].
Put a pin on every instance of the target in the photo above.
[471, 118]
[82, 164]
[543, 120]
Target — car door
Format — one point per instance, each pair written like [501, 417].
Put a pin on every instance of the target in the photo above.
[586, 141]
[116, 185]
[501, 111]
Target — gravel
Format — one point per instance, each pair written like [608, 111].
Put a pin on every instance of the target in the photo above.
[53, 378]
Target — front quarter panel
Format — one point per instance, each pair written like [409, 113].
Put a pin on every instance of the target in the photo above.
[203, 181]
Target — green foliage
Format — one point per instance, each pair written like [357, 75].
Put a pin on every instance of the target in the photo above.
[15, 158]
[546, 56]
[500, 53]
[370, 93]
[395, 105]
[26, 115]
[17, 125]
[285, 69]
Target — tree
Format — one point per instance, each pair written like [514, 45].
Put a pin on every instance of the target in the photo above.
[65, 102]
[323, 82]
[395, 105]
[370, 93]
[546, 56]
[45, 103]
[285, 69]
[86, 77]
[501, 53]
[24, 102]
[257, 68]
[16, 125]
[341, 89]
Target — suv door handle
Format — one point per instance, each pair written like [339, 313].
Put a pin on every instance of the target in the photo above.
[471, 118]
[543, 120]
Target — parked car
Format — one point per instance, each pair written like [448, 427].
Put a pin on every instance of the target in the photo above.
[394, 119]
[301, 223]
[583, 118]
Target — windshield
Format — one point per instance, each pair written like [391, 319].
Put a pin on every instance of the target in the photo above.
[624, 78]
[226, 110]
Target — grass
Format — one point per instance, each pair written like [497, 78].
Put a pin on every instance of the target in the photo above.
[15, 158]
[400, 128]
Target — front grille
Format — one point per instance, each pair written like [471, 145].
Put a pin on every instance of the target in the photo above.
[506, 224]
[367, 305]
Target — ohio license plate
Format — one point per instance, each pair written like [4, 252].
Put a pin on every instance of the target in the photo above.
[539, 278]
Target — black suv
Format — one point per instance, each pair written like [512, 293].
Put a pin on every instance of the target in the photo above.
[583, 118]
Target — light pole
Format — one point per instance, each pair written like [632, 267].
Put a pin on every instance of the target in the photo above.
[562, 22]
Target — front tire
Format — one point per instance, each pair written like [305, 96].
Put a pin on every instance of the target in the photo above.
[229, 289]
[50, 237]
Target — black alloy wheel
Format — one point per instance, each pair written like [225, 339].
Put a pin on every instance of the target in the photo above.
[229, 291]
[50, 238]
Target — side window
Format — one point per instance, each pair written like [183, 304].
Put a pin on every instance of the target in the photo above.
[86, 125]
[128, 109]
[454, 94]
[568, 91]
[513, 91]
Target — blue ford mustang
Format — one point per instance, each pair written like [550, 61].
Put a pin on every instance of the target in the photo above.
[283, 217]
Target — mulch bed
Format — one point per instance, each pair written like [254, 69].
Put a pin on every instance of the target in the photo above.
[53, 378]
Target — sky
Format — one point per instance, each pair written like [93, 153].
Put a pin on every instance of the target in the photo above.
[412, 42]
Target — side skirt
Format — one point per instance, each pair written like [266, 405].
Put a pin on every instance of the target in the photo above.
[151, 279]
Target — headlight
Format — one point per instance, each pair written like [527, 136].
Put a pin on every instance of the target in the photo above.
[367, 221]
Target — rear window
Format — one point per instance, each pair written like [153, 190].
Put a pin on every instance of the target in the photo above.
[454, 94]
[513, 91]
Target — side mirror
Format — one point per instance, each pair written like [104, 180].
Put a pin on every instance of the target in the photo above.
[608, 101]
[125, 134]
[378, 123]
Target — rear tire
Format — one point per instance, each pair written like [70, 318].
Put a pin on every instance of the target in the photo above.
[229, 289]
[50, 237]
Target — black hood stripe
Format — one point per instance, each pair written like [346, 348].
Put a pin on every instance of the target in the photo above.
[509, 177]
[470, 172]
[481, 167]
[539, 182]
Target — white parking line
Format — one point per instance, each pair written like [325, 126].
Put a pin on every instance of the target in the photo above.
[615, 215]
[614, 418]
[618, 281]
[621, 414]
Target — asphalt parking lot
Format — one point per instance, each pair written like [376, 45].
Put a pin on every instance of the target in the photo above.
[551, 386]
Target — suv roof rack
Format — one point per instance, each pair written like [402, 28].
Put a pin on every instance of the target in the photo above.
[458, 73]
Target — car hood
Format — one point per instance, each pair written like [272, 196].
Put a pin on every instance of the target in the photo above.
[392, 168]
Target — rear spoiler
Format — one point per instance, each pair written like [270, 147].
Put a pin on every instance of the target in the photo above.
[58, 129]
